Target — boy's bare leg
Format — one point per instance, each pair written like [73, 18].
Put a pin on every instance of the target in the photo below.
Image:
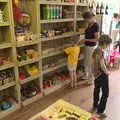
[75, 79]
[72, 78]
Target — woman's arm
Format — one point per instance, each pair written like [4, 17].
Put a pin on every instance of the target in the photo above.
[96, 35]
[103, 66]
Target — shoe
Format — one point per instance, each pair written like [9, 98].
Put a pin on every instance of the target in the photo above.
[102, 115]
[93, 110]
[89, 82]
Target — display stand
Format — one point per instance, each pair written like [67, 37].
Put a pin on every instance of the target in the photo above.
[62, 110]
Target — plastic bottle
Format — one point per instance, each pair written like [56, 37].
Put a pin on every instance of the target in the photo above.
[102, 9]
[60, 12]
[1, 16]
[51, 9]
[57, 12]
[106, 10]
[54, 11]
[98, 9]
[43, 13]
[48, 12]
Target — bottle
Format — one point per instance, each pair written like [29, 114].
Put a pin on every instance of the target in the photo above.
[60, 12]
[51, 12]
[98, 9]
[48, 12]
[90, 7]
[44, 12]
[54, 11]
[102, 9]
[1, 16]
[106, 10]
[93, 8]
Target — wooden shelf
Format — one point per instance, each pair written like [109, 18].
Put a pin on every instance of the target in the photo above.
[64, 35]
[7, 66]
[7, 85]
[82, 4]
[3, 1]
[26, 62]
[78, 33]
[27, 43]
[57, 3]
[5, 24]
[33, 99]
[5, 45]
[54, 68]
[55, 88]
[56, 21]
[68, 3]
[79, 19]
[29, 79]
[52, 89]
[14, 107]
[52, 54]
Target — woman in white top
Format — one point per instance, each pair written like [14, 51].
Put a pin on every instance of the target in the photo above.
[113, 27]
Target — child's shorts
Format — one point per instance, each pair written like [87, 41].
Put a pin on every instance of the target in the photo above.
[72, 67]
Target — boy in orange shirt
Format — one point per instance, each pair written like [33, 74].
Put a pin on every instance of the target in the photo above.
[73, 53]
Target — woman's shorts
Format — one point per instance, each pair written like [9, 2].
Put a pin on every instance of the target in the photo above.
[72, 67]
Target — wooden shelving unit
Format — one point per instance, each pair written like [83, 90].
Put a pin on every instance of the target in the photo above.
[8, 41]
[7, 46]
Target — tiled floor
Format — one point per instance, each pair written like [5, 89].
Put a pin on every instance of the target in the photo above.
[81, 97]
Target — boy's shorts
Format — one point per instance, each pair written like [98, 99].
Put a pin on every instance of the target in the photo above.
[72, 67]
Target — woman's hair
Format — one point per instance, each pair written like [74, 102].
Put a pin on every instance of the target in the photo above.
[115, 15]
[88, 15]
[105, 40]
[119, 16]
